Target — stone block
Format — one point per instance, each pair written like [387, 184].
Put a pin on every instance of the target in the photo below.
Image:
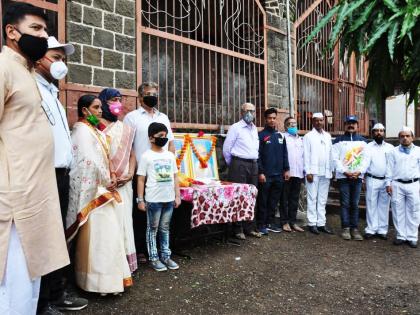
[107, 5]
[92, 17]
[79, 74]
[103, 78]
[113, 22]
[125, 43]
[87, 2]
[113, 60]
[125, 8]
[103, 39]
[125, 80]
[79, 33]
[74, 12]
[77, 55]
[92, 56]
[129, 62]
[129, 27]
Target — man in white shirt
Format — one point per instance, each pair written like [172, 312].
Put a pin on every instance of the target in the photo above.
[140, 119]
[317, 147]
[402, 182]
[52, 67]
[291, 188]
[349, 158]
[377, 199]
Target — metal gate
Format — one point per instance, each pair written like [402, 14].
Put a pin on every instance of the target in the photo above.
[208, 57]
[326, 84]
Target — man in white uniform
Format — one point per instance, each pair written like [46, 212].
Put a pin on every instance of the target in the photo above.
[52, 297]
[377, 199]
[402, 182]
[317, 147]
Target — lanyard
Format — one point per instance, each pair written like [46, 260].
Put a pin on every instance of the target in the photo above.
[51, 117]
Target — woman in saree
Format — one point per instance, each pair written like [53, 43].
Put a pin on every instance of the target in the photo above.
[123, 161]
[100, 262]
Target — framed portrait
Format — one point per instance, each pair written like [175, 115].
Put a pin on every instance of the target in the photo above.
[203, 145]
[185, 166]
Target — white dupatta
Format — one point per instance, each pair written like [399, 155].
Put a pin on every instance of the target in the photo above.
[89, 176]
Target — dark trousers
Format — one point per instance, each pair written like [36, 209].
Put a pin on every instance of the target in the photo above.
[269, 194]
[290, 200]
[244, 172]
[52, 285]
[139, 223]
[349, 201]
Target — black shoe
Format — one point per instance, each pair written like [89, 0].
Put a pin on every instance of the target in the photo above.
[313, 229]
[70, 303]
[383, 236]
[412, 244]
[325, 229]
[369, 236]
[397, 242]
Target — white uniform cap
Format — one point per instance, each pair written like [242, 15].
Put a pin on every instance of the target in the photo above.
[317, 115]
[378, 126]
[406, 128]
[54, 43]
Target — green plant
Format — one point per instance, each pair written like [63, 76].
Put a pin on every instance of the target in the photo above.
[387, 33]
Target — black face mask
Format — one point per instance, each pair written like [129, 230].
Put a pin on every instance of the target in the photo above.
[150, 100]
[160, 142]
[33, 47]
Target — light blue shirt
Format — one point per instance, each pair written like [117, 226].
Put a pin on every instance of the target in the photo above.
[58, 121]
[241, 141]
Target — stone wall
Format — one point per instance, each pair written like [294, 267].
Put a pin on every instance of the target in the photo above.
[103, 33]
[278, 78]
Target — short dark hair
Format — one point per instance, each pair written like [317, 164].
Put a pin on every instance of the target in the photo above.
[16, 11]
[84, 102]
[270, 111]
[287, 119]
[155, 128]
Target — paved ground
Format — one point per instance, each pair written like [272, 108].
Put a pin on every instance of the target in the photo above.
[295, 273]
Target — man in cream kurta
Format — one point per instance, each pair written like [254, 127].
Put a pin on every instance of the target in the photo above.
[29, 207]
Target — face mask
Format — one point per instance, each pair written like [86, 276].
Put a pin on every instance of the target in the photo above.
[58, 70]
[292, 130]
[115, 108]
[92, 119]
[160, 142]
[150, 100]
[248, 117]
[32, 47]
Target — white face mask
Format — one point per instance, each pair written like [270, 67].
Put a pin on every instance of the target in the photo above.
[58, 70]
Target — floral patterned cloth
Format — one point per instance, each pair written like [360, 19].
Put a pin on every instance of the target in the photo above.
[220, 204]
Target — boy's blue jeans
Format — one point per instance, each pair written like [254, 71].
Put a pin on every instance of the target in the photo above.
[349, 199]
[158, 219]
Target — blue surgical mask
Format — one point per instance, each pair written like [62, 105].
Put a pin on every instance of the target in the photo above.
[292, 130]
[248, 117]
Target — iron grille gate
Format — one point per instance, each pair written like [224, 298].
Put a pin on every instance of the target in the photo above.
[326, 85]
[207, 56]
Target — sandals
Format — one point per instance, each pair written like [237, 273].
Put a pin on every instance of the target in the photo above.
[286, 227]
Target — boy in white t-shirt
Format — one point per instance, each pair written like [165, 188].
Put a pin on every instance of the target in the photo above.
[162, 194]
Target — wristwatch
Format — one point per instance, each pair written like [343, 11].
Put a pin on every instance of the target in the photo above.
[139, 199]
